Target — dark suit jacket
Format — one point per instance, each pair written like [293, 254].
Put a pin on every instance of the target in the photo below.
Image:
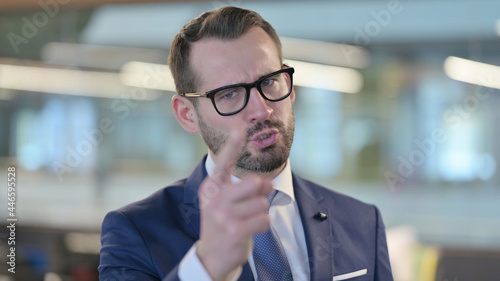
[147, 239]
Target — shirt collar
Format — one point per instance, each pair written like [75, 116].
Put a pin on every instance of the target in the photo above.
[283, 182]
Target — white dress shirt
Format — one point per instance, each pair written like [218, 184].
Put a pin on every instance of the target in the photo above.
[286, 221]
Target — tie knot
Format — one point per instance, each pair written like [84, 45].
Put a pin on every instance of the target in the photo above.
[270, 196]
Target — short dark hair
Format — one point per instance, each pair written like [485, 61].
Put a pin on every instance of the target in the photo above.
[225, 23]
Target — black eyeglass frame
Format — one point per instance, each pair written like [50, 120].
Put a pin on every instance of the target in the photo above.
[248, 86]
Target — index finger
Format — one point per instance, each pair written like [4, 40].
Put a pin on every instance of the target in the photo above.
[227, 157]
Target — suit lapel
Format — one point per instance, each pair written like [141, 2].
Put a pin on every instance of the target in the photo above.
[318, 232]
[190, 208]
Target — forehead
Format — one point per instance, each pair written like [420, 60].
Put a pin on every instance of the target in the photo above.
[217, 63]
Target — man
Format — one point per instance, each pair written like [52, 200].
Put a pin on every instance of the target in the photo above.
[235, 92]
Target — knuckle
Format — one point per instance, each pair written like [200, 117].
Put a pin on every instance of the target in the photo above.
[222, 216]
[263, 203]
[255, 181]
[266, 222]
[236, 231]
[232, 229]
[208, 190]
[221, 177]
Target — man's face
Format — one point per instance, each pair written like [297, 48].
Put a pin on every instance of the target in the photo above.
[269, 126]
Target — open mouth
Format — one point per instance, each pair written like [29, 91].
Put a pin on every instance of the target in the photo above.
[265, 138]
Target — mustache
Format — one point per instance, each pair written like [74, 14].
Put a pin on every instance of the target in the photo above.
[278, 124]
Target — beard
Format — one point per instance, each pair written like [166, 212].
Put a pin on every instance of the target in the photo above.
[267, 159]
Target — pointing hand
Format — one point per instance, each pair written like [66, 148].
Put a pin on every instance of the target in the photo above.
[230, 214]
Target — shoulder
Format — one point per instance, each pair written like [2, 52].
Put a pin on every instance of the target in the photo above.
[326, 192]
[162, 201]
[343, 206]
[182, 191]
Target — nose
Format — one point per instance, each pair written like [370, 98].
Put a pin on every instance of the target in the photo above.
[258, 109]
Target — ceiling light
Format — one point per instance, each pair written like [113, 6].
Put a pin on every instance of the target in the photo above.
[147, 75]
[327, 77]
[325, 52]
[333, 78]
[473, 72]
[64, 81]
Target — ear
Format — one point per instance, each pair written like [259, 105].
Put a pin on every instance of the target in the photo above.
[185, 114]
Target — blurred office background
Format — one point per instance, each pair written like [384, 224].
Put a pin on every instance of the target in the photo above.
[397, 105]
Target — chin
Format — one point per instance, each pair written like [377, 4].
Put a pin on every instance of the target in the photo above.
[265, 160]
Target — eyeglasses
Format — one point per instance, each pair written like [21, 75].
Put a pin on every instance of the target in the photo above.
[231, 99]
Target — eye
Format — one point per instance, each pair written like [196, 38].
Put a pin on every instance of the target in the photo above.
[268, 82]
[228, 94]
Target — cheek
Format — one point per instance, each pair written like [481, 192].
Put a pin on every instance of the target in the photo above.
[217, 122]
[206, 111]
[284, 110]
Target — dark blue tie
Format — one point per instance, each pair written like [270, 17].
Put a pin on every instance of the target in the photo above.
[268, 254]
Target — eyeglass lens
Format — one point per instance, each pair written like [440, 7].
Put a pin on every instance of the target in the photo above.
[233, 99]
